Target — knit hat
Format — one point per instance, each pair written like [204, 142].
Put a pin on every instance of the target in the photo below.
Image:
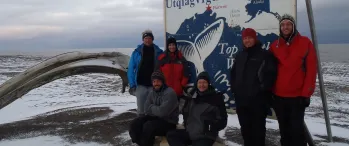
[289, 18]
[147, 33]
[203, 75]
[249, 32]
[158, 75]
[169, 41]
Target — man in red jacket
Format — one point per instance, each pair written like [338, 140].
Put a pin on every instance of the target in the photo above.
[295, 83]
[174, 67]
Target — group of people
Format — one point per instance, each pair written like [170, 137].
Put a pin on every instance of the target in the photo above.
[282, 77]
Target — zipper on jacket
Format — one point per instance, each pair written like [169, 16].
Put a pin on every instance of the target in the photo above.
[260, 74]
[155, 58]
[140, 62]
[172, 66]
[191, 104]
[139, 65]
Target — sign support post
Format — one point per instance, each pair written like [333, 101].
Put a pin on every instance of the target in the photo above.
[320, 77]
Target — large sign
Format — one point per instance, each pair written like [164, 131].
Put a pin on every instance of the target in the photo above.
[208, 32]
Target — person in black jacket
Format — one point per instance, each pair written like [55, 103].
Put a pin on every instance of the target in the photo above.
[252, 78]
[204, 116]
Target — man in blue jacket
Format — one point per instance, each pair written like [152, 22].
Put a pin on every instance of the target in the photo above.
[142, 64]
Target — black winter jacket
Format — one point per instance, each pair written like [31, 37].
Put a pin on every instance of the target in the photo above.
[253, 76]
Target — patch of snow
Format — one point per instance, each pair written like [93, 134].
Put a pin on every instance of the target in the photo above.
[33, 105]
[98, 90]
[71, 92]
[229, 143]
[97, 62]
[334, 144]
[45, 140]
[124, 137]
[319, 128]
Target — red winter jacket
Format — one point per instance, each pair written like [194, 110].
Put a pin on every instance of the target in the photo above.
[174, 68]
[297, 67]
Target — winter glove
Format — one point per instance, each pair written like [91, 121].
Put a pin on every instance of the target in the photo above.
[187, 91]
[132, 91]
[305, 101]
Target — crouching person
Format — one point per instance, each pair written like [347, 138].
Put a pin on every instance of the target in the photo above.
[161, 109]
[204, 116]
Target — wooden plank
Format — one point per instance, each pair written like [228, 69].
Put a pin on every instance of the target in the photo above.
[164, 142]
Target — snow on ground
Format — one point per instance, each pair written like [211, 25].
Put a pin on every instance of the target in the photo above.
[47, 141]
[68, 92]
[101, 90]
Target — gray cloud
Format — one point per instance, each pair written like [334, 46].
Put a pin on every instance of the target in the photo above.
[42, 24]
[330, 20]
[78, 23]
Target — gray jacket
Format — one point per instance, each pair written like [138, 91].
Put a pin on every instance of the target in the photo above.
[163, 104]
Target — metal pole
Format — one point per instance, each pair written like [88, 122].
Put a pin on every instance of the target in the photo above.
[165, 24]
[321, 82]
[295, 12]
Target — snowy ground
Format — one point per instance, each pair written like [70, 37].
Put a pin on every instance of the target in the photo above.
[89, 110]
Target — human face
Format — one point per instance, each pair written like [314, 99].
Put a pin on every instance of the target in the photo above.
[286, 28]
[148, 41]
[157, 84]
[172, 47]
[248, 41]
[202, 85]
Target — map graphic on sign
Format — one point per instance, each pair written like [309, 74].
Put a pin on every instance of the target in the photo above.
[208, 32]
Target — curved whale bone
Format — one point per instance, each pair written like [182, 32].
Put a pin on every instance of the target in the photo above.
[67, 64]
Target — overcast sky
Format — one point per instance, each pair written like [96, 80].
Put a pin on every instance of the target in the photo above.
[56, 24]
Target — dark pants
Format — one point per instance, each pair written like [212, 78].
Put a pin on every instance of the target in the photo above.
[290, 115]
[180, 137]
[144, 129]
[252, 122]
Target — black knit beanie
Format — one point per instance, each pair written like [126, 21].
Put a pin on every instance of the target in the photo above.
[158, 75]
[169, 41]
[204, 75]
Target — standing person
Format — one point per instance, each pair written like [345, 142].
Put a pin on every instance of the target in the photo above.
[142, 64]
[204, 116]
[174, 66]
[295, 82]
[161, 109]
[252, 78]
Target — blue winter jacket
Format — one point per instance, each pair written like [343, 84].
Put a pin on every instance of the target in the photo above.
[135, 62]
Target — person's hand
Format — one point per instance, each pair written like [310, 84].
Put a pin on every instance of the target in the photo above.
[187, 90]
[132, 91]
